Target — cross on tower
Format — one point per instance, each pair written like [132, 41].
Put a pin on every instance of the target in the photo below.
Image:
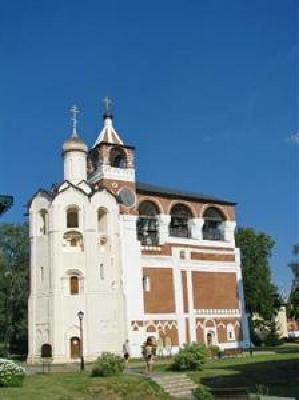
[107, 101]
[74, 110]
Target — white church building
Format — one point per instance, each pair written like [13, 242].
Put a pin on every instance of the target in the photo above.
[139, 260]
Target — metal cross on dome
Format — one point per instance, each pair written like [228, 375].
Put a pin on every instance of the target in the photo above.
[74, 110]
[107, 101]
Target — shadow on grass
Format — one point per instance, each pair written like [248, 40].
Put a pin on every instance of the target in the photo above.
[290, 348]
[278, 377]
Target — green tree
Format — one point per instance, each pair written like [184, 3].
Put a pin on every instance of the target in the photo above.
[14, 286]
[293, 306]
[260, 294]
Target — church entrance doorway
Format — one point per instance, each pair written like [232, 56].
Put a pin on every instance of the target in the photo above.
[211, 340]
[75, 347]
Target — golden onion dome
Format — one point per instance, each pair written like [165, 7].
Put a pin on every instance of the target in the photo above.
[74, 143]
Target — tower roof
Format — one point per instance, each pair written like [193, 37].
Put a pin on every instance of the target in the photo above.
[108, 134]
[74, 143]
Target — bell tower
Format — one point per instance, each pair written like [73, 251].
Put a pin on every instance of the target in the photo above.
[111, 162]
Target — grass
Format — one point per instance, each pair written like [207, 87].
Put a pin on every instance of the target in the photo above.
[78, 386]
[276, 371]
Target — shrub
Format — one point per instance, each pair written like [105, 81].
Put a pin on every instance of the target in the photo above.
[96, 371]
[202, 393]
[108, 364]
[11, 374]
[190, 358]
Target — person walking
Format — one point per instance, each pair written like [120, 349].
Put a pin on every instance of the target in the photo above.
[149, 355]
[126, 352]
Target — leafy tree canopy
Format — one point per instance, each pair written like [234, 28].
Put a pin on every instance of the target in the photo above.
[14, 283]
[293, 306]
[260, 294]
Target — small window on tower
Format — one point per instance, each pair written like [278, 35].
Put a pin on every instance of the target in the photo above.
[72, 218]
[118, 158]
[41, 274]
[74, 285]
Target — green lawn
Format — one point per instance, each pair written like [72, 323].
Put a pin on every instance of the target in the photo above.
[277, 370]
[78, 386]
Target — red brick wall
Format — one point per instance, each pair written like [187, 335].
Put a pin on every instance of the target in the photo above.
[212, 257]
[214, 290]
[160, 299]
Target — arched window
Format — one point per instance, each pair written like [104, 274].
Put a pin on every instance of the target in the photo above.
[148, 224]
[118, 158]
[74, 285]
[230, 332]
[213, 228]
[210, 338]
[102, 220]
[72, 217]
[179, 226]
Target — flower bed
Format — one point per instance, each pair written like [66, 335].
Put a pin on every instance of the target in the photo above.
[11, 374]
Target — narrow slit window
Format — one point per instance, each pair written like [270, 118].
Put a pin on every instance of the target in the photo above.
[102, 272]
[146, 283]
[43, 222]
[102, 220]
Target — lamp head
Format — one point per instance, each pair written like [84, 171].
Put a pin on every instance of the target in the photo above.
[80, 314]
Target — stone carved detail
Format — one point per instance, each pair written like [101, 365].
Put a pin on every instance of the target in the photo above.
[158, 325]
[219, 323]
[221, 311]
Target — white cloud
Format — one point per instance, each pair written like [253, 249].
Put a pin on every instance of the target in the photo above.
[294, 138]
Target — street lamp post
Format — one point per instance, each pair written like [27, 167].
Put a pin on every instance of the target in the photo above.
[80, 315]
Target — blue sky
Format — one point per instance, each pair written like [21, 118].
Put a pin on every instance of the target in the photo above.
[206, 90]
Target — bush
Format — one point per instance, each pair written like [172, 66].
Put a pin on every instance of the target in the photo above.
[96, 371]
[108, 364]
[202, 393]
[190, 358]
[11, 374]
